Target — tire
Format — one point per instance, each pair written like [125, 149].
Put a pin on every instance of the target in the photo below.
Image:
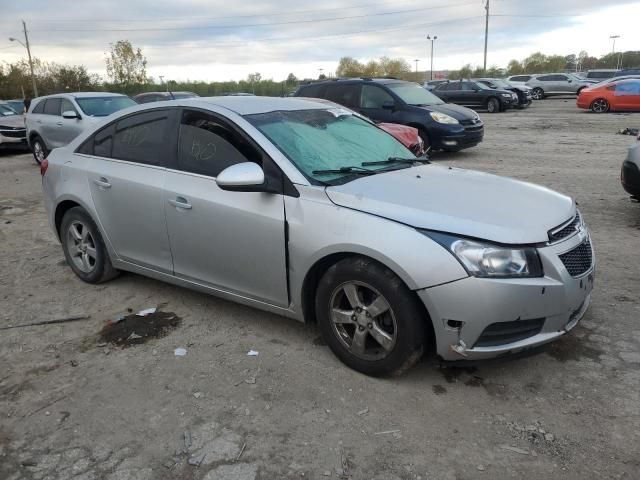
[388, 342]
[537, 93]
[39, 149]
[493, 105]
[84, 248]
[600, 105]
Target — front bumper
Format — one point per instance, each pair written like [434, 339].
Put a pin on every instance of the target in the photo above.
[466, 137]
[462, 311]
[13, 139]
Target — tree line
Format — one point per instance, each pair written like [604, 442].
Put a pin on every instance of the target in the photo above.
[126, 69]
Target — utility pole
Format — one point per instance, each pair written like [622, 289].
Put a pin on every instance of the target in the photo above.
[486, 35]
[435, 37]
[416, 60]
[26, 45]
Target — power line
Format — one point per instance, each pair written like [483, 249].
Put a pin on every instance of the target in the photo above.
[289, 22]
[280, 39]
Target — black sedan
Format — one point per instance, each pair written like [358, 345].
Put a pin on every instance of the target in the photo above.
[475, 94]
[523, 92]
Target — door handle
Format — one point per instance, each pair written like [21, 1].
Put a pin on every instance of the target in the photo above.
[102, 182]
[180, 202]
[59, 124]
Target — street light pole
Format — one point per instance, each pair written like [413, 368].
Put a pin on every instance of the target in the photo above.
[613, 37]
[26, 38]
[486, 36]
[435, 37]
[416, 60]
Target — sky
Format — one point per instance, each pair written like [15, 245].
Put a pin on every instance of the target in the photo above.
[215, 40]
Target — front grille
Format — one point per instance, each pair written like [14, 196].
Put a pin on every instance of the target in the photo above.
[13, 133]
[579, 260]
[562, 232]
[502, 333]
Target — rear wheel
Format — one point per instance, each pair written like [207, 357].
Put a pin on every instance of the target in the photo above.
[84, 248]
[369, 318]
[600, 105]
[493, 105]
[39, 149]
[537, 93]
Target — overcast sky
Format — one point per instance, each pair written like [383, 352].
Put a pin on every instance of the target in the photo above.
[222, 40]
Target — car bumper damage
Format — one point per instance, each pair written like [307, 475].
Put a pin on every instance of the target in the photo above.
[481, 318]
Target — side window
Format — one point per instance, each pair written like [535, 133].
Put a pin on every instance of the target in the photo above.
[67, 106]
[560, 78]
[207, 145]
[52, 106]
[100, 144]
[374, 97]
[314, 91]
[545, 78]
[452, 87]
[467, 86]
[628, 88]
[39, 108]
[346, 95]
[140, 138]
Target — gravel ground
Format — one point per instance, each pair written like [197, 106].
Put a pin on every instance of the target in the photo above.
[72, 406]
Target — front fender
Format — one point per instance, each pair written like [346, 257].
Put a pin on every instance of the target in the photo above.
[319, 228]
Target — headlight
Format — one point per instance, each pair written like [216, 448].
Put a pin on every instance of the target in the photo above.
[507, 95]
[443, 118]
[486, 260]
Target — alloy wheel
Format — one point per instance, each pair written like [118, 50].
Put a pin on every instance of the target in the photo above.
[363, 320]
[38, 151]
[537, 93]
[81, 247]
[600, 105]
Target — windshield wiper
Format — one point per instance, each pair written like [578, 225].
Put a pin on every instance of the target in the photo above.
[423, 159]
[354, 170]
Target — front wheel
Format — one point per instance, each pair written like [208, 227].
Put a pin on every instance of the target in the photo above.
[39, 150]
[369, 318]
[537, 93]
[493, 105]
[600, 106]
[84, 248]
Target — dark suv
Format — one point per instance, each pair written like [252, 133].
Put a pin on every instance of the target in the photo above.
[476, 94]
[442, 126]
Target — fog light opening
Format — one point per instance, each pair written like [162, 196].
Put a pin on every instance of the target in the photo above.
[454, 324]
[450, 143]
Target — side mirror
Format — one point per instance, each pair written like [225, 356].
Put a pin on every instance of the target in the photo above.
[69, 114]
[569, 80]
[389, 105]
[242, 177]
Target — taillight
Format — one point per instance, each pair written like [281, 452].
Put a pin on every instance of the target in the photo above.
[43, 166]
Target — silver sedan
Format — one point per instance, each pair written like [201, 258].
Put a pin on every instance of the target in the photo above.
[311, 211]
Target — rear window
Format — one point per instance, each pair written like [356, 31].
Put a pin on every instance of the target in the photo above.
[103, 106]
[39, 108]
[316, 91]
[52, 106]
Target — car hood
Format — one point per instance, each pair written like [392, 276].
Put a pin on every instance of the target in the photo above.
[462, 202]
[14, 121]
[456, 111]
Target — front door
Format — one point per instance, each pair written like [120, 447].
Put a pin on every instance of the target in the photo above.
[126, 175]
[377, 104]
[231, 241]
[69, 128]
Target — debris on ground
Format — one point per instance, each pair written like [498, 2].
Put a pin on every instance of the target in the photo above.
[515, 449]
[180, 352]
[136, 329]
[629, 131]
[146, 311]
[72, 318]
[252, 353]
[197, 394]
[364, 411]
[196, 460]
[244, 445]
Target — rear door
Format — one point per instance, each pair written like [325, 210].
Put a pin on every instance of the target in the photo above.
[231, 241]
[468, 94]
[347, 94]
[126, 175]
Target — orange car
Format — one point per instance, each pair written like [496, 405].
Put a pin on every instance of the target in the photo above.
[616, 96]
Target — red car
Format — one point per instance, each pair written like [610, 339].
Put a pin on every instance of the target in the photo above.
[623, 95]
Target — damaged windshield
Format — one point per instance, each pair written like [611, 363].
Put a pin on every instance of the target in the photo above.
[329, 146]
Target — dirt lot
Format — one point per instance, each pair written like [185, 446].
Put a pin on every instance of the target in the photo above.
[74, 406]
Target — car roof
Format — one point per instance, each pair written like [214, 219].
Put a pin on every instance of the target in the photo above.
[249, 105]
[381, 80]
[81, 95]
